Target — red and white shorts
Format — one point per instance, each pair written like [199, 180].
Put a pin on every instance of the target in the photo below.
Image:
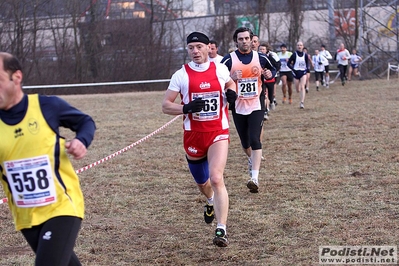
[196, 144]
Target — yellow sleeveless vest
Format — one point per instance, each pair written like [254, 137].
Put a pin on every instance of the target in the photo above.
[41, 182]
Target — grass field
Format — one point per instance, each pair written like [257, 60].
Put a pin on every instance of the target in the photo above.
[330, 178]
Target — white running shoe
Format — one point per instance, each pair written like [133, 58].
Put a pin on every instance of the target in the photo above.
[253, 185]
[266, 116]
[302, 106]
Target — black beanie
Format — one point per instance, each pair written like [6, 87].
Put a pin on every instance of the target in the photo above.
[197, 37]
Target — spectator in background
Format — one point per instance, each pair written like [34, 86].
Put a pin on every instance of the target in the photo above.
[41, 185]
[213, 52]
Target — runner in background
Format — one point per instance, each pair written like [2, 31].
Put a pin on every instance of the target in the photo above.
[328, 56]
[343, 57]
[298, 62]
[285, 73]
[213, 52]
[354, 64]
[246, 67]
[308, 67]
[319, 67]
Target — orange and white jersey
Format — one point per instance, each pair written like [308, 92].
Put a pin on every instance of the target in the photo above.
[249, 87]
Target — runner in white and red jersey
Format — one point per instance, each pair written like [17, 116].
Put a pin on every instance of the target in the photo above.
[205, 88]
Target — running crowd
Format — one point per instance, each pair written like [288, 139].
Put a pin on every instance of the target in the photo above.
[244, 82]
[43, 190]
[295, 67]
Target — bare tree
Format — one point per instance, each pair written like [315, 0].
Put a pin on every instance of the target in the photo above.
[295, 21]
[22, 25]
[224, 32]
[17, 28]
[261, 13]
[74, 8]
[158, 33]
[91, 41]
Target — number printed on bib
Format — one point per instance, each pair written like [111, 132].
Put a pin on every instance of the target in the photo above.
[212, 106]
[31, 181]
[302, 64]
[248, 87]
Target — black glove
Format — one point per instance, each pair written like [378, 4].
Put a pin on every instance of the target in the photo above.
[194, 106]
[231, 96]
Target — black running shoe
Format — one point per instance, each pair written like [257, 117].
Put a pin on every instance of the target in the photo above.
[220, 239]
[209, 213]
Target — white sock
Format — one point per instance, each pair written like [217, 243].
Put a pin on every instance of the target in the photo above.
[222, 226]
[210, 200]
[255, 174]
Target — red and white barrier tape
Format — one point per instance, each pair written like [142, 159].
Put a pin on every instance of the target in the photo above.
[118, 152]
[127, 148]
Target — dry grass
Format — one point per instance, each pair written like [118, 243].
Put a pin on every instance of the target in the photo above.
[330, 178]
